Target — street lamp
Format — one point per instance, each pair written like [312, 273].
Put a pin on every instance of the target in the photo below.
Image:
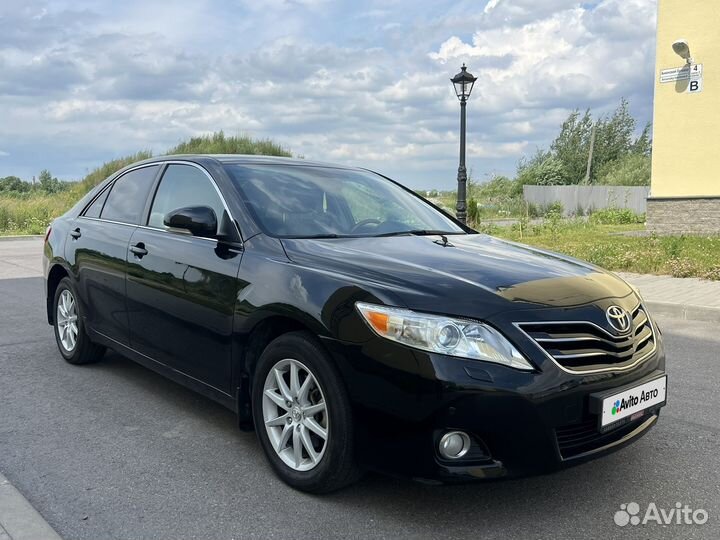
[463, 83]
[682, 49]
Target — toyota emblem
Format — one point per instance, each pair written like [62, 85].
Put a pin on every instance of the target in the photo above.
[618, 318]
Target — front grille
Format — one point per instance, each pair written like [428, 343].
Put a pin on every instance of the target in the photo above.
[584, 437]
[584, 346]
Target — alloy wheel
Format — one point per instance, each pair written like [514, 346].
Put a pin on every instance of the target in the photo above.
[295, 414]
[67, 323]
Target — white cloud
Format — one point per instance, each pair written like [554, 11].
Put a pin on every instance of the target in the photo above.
[359, 84]
[492, 4]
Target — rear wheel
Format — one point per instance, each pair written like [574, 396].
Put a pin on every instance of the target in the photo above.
[302, 415]
[72, 341]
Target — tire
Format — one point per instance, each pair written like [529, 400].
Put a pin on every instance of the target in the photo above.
[333, 465]
[68, 322]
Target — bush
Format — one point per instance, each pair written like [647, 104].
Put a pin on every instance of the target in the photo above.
[472, 211]
[552, 209]
[542, 170]
[616, 216]
[629, 170]
[553, 221]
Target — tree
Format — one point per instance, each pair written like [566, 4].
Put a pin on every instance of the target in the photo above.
[566, 160]
[571, 146]
[49, 184]
[643, 144]
[13, 183]
[613, 138]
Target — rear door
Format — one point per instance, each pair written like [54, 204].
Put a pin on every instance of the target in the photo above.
[181, 289]
[97, 249]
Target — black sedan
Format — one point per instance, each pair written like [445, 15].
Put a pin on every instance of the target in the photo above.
[353, 324]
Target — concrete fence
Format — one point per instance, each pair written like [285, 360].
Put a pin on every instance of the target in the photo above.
[589, 198]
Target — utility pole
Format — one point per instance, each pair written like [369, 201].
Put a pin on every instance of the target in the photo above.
[586, 180]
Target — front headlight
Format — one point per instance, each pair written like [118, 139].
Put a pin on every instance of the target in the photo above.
[444, 335]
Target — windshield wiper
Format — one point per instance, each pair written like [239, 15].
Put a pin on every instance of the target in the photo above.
[315, 236]
[418, 232]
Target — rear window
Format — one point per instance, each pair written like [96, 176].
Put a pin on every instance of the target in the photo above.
[128, 196]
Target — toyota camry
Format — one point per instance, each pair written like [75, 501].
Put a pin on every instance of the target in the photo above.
[351, 323]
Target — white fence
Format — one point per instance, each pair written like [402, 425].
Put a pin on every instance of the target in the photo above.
[588, 198]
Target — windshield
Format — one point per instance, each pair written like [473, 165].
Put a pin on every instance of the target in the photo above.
[308, 201]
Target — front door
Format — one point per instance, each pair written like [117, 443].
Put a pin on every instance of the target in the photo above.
[181, 289]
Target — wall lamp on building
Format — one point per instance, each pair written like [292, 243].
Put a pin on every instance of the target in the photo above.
[682, 49]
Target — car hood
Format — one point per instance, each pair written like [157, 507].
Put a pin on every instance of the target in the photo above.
[465, 275]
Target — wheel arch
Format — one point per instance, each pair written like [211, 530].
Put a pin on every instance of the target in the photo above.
[55, 275]
[258, 338]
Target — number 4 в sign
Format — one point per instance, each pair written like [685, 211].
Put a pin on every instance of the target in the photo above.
[696, 80]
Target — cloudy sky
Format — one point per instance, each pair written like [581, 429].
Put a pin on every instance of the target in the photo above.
[357, 82]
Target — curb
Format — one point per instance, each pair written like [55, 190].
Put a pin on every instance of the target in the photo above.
[686, 312]
[12, 238]
[18, 519]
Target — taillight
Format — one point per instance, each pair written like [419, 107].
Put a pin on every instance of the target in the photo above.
[47, 233]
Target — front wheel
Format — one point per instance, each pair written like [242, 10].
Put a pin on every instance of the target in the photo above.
[73, 342]
[302, 415]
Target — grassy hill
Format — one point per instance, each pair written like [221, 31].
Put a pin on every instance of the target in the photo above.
[30, 212]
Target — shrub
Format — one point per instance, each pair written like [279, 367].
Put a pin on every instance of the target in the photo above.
[629, 170]
[472, 211]
[682, 268]
[553, 221]
[553, 208]
[616, 216]
[533, 210]
[713, 273]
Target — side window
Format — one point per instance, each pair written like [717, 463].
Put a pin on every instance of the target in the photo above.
[128, 196]
[181, 186]
[96, 207]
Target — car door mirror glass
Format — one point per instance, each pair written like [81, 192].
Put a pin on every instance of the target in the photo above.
[197, 220]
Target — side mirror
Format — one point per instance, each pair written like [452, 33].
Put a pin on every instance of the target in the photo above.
[197, 220]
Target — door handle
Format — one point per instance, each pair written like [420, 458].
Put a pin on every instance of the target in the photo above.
[139, 250]
[75, 233]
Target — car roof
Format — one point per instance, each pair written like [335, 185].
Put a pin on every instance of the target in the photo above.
[245, 159]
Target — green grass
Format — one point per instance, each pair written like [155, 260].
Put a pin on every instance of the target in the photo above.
[33, 212]
[606, 246]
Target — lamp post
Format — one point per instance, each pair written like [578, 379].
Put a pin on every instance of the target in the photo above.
[463, 83]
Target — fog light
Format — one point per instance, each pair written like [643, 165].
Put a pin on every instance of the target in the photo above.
[454, 445]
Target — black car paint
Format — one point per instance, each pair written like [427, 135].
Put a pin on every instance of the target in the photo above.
[197, 310]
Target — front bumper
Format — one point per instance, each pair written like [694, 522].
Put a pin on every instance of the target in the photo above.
[520, 422]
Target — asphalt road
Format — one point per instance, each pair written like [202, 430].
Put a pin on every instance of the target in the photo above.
[115, 451]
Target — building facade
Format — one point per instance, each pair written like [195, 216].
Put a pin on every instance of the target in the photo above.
[685, 183]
